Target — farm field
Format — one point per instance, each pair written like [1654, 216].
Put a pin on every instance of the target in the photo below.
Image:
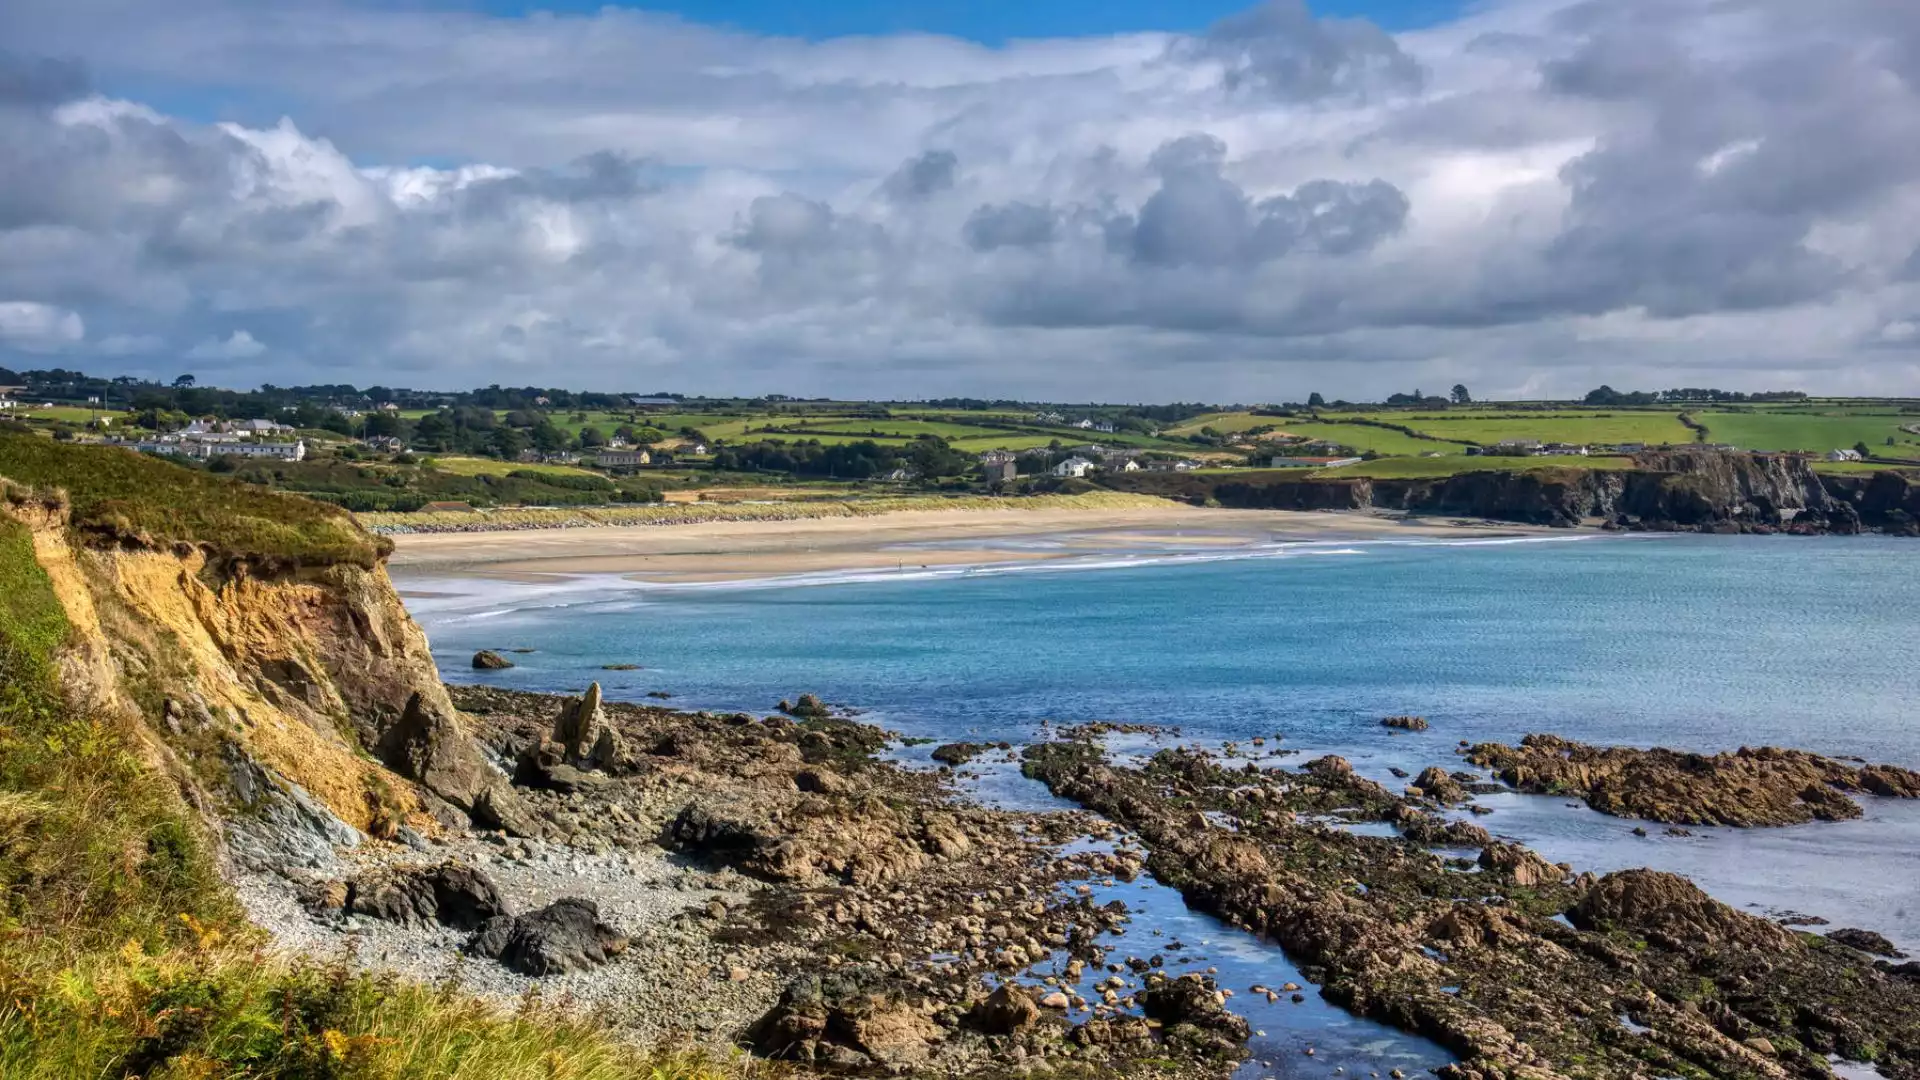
[1410, 468]
[472, 466]
[1585, 427]
[1365, 438]
[1800, 431]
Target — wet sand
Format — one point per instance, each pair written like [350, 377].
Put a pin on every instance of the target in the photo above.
[732, 550]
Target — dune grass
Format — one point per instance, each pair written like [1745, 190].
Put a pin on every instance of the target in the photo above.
[131, 496]
[782, 510]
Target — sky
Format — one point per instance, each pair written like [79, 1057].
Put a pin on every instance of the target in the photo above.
[1140, 200]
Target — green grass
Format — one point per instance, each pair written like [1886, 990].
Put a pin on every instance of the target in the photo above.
[1362, 437]
[1565, 427]
[1779, 430]
[127, 496]
[471, 466]
[1412, 468]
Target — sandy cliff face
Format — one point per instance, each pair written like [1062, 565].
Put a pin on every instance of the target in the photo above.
[292, 705]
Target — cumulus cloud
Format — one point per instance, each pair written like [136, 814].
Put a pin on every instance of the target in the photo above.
[35, 327]
[238, 345]
[1537, 196]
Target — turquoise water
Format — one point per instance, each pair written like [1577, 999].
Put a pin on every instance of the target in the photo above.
[1704, 643]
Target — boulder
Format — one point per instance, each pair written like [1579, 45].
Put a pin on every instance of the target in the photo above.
[488, 660]
[430, 745]
[959, 753]
[566, 935]
[1406, 723]
[1521, 864]
[1009, 1009]
[1434, 783]
[845, 1018]
[1194, 1017]
[453, 894]
[1867, 942]
[1670, 910]
[585, 739]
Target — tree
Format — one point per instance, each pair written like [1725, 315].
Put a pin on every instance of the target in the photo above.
[183, 382]
[1315, 401]
[1460, 395]
[1861, 449]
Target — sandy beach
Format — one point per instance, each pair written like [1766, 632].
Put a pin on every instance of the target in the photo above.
[733, 550]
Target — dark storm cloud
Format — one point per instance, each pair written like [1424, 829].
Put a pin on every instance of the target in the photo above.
[1014, 224]
[40, 80]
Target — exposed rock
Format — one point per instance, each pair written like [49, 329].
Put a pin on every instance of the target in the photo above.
[280, 825]
[1749, 787]
[488, 660]
[1406, 723]
[453, 894]
[808, 707]
[1673, 911]
[566, 935]
[1008, 1009]
[844, 1018]
[1521, 864]
[1434, 783]
[1195, 1016]
[959, 753]
[430, 745]
[586, 740]
[1867, 942]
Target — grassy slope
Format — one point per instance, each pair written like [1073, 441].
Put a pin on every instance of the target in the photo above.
[120, 951]
[127, 494]
[1568, 427]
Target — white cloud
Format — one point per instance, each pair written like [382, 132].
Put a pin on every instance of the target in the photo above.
[238, 345]
[36, 328]
[1541, 195]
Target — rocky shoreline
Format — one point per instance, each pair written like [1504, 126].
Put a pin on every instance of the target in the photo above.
[773, 883]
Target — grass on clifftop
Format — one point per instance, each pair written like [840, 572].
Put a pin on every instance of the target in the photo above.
[128, 495]
[121, 953]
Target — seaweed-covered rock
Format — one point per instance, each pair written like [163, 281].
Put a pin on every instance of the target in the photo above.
[1669, 909]
[1194, 1017]
[959, 753]
[1406, 723]
[566, 935]
[1867, 942]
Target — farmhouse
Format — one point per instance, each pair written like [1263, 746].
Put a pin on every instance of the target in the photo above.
[1311, 462]
[1843, 455]
[623, 459]
[1073, 466]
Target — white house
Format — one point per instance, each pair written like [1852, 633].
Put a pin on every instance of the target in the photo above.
[1121, 464]
[1843, 455]
[1073, 466]
[8, 404]
[281, 451]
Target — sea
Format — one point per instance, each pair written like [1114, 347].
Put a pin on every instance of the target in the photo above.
[1695, 642]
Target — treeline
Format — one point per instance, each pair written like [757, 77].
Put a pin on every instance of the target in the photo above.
[1607, 395]
[271, 402]
[928, 456]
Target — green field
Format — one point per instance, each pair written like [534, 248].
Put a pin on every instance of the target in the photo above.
[1800, 431]
[472, 466]
[1410, 468]
[1653, 428]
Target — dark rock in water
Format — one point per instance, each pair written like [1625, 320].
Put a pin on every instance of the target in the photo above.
[1434, 783]
[848, 1018]
[1749, 787]
[959, 753]
[1195, 1017]
[1398, 772]
[1673, 912]
[619, 667]
[488, 660]
[453, 894]
[809, 707]
[1008, 1009]
[566, 935]
[1406, 723]
[1867, 942]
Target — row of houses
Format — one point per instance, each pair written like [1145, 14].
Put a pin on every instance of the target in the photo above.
[207, 448]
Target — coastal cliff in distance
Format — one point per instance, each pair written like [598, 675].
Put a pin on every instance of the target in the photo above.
[1683, 490]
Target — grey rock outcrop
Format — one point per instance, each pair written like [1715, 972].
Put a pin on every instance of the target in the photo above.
[566, 935]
